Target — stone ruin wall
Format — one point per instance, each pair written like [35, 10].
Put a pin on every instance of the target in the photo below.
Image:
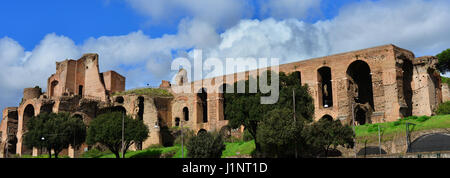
[394, 93]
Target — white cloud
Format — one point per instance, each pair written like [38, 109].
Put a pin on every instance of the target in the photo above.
[220, 13]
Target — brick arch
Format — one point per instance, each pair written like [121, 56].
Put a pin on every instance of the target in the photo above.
[200, 130]
[327, 116]
[20, 149]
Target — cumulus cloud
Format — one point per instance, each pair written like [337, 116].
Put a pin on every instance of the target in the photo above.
[221, 13]
[420, 26]
[144, 58]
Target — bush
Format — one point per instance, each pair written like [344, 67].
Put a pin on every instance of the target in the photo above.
[444, 108]
[187, 135]
[423, 118]
[94, 153]
[205, 145]
[247, 136]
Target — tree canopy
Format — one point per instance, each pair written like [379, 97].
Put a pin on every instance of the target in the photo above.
[106, 129]
[326, 135]
[245, 108]
[279, 134]
[205, 145]
[54, 131]
[443, 64]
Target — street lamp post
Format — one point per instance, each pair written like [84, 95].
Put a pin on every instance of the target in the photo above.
[182, 139]
[353, 123]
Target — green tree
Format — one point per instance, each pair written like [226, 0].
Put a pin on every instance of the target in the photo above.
[106, 129]
[443, 64]
[245, 108]
[325, 135]
[205, 145]
[279, 134]
[54, 131]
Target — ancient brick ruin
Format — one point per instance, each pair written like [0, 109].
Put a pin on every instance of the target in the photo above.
[374, 85]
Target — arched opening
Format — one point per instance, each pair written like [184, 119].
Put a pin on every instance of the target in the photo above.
[430, 143]
[360, 82]
[141, 107]
[370, 150]
[222, 100]
[28, 113]
[327, 117]
[140, 117]
[186, 113]
[80, 90]
[407, 68]
[201, 131]
[53, 86]
[202, 97]
[119, 99]
[177, 121]
[325, 87]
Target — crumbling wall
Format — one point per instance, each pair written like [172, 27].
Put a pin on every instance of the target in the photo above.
[445, 92]
[426, 86]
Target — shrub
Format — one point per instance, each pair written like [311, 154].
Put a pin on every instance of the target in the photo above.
[247, 136]
[423, 118]
[187, 135]
[444, 108]
[205, 145]
[94, 153]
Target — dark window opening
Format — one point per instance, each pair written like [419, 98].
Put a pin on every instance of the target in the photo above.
[80, 90]
[120, 100]
[186, 113]
[141, 107]
[360, 117]
[325, 87]
[407, 69]
[202, 99]
[201, 131]
[177, 121]
[223, 101]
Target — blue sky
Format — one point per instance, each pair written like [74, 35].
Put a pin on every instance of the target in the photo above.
[140, 38]
[28, 21]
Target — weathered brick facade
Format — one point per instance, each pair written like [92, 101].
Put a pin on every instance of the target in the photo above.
[374, 85]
